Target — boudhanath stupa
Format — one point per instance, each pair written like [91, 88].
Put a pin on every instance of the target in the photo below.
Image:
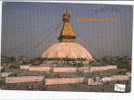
[67, 48]
[64, 77]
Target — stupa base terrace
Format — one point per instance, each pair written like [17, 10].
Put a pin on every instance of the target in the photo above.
[65, 78]
[65, 61]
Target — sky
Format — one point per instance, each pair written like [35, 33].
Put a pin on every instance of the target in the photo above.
[29, 29]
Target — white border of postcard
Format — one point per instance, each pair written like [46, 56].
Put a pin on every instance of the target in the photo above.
[51, 95]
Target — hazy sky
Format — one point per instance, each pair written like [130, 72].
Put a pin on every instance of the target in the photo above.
[28, 29]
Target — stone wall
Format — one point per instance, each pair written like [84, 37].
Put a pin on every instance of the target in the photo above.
[5, 74]
[23, 79]
[69, 69]
[64, 81]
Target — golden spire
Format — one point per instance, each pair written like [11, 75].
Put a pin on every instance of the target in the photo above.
[67, 34]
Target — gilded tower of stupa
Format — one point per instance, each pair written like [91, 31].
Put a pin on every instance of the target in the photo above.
[67, 47]
[67, 34]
